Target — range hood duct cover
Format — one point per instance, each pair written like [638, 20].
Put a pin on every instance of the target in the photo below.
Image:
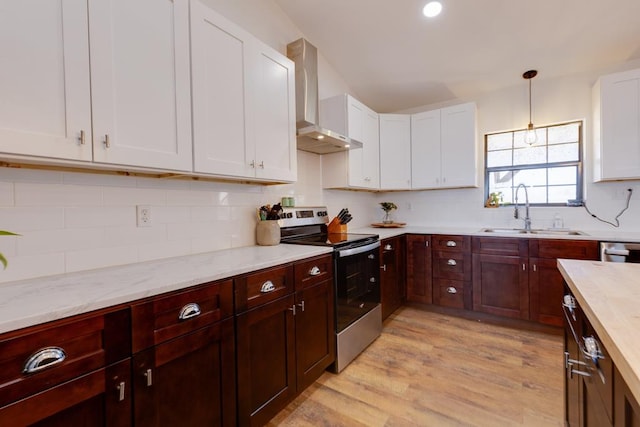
[311, 137]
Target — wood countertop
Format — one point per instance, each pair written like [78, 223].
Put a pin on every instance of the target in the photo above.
[609, 295]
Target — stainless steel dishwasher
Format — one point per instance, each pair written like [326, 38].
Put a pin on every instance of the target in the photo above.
[620, 252]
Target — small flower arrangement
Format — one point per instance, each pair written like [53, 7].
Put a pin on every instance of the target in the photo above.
[494, 200]
[387, 207]
[3, 260]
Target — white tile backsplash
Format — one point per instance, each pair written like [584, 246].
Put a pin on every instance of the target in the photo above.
[6, 194]
[41, 194]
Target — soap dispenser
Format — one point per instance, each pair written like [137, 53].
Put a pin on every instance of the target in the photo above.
[557, 221]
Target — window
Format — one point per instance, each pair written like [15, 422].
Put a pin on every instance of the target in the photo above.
[551, 169]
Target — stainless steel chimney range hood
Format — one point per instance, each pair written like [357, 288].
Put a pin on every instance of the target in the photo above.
[311, 136]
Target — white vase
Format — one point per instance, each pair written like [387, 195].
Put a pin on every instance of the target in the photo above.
[268, 233]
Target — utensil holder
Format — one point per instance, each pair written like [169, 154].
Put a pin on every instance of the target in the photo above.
[268, 233]
[335, 227]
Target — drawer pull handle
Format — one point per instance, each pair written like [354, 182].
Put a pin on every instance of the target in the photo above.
[121, 387]
[301, 304]
[452, 290]
[315, 271]
[149, 376]
[267, 286]
[47, 357]
[451, 262]
[190, 310]
[388, 247]
[451, 244]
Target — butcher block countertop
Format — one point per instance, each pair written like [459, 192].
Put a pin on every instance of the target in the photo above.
[609, 295]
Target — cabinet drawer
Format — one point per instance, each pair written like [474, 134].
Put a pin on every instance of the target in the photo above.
[261, 287]
[600, 383]
[313, 271]
[452, 265]
[557, 248]
[450, 242]
[507, 246]
[168, 316]
[451, 293]
[60, 351]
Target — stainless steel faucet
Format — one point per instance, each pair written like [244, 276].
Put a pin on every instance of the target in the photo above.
[516, 214]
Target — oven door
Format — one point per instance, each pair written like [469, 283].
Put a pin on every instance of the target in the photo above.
[357, 283]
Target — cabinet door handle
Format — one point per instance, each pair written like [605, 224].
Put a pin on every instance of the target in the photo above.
[44, 358]
[302, 305]
[121, 388]
[188, 311]
[452, 290]
[149, 375]
[451, 244]
[253, 164]
[107, 142]
[535, 268]
[82, 137]
[383, 267]
[293, 308]
[524, 267]
[261, 164]
[267, 286]
[388, 247]
[314, 271]
[452, 262]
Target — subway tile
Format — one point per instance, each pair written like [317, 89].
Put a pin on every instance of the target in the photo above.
[105, 216]
[98, 179]
[210, 213]
[6, 193]
[100, 257]
[37, 194]
[170, 214]
[114, 196]
[163, 184]
[30, 175]
[148, 252]
[190, 198]
[31, 266]
[24, 219]
[116, 236]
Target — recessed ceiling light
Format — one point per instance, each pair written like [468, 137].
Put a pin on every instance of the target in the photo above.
[431, 9]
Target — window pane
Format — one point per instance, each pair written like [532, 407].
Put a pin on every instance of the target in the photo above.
[499, 141]
[567, 175]
[530, 177]
[499, 158]
[530, 155]
[564, 133]
[561, 194]
[536, 195]
[563, 153]
[518, 138]
[501, 181]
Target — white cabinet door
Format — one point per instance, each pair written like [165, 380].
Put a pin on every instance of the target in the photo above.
[220, 51]
[371, 150]
[356, 117]
[44, 79]
[425, 150]
[140, 82]
[458, 148]
[395, 151]
[274, 115]
[619, 126]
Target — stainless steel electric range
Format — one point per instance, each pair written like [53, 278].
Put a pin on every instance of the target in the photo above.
[356, 277]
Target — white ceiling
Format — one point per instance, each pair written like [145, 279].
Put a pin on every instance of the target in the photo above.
[394, 58]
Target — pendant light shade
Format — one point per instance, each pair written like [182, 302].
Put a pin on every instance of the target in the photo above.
[530, 136]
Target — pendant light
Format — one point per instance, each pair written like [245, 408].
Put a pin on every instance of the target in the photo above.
[530, 136]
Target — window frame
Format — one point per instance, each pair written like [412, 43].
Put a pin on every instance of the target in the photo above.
[579, 164]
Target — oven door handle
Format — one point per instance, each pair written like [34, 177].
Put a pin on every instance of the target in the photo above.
[358, 250]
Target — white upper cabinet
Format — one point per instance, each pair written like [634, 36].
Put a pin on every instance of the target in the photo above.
[443, 148]
[140, 81]
[243, 102]
[616, 133]
[395, 152]
[356, 168]
[44, 79]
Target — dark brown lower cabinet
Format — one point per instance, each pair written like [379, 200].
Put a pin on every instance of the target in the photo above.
[188, 380]
[391, 274]
[501, 285]
[419, 278]
[266, 361]
[100, 398]
[626, 407]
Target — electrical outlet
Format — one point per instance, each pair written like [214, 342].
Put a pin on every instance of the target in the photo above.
[143, 215]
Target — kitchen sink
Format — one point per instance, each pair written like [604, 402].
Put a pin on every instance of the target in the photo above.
[550, 231]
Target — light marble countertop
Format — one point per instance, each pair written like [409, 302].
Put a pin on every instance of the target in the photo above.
[34, 301]
[609, 295]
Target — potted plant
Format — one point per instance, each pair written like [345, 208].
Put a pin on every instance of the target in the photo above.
[494, 200]
[387, 207]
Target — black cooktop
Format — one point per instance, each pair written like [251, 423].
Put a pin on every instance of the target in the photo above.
[336, 240]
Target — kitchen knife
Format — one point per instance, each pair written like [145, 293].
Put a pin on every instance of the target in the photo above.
[347, 218]
[341, 214]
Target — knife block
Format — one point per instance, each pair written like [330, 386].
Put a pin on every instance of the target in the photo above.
[335, 227]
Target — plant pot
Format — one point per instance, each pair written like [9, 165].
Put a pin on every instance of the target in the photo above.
[268, 233]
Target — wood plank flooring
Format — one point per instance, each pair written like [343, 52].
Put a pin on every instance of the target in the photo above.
[431, 369]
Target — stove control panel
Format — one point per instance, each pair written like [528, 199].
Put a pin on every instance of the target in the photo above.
[301, 215]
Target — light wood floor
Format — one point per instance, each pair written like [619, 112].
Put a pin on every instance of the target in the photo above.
[430, 369]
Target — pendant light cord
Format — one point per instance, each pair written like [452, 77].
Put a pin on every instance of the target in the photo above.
[530, 122]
